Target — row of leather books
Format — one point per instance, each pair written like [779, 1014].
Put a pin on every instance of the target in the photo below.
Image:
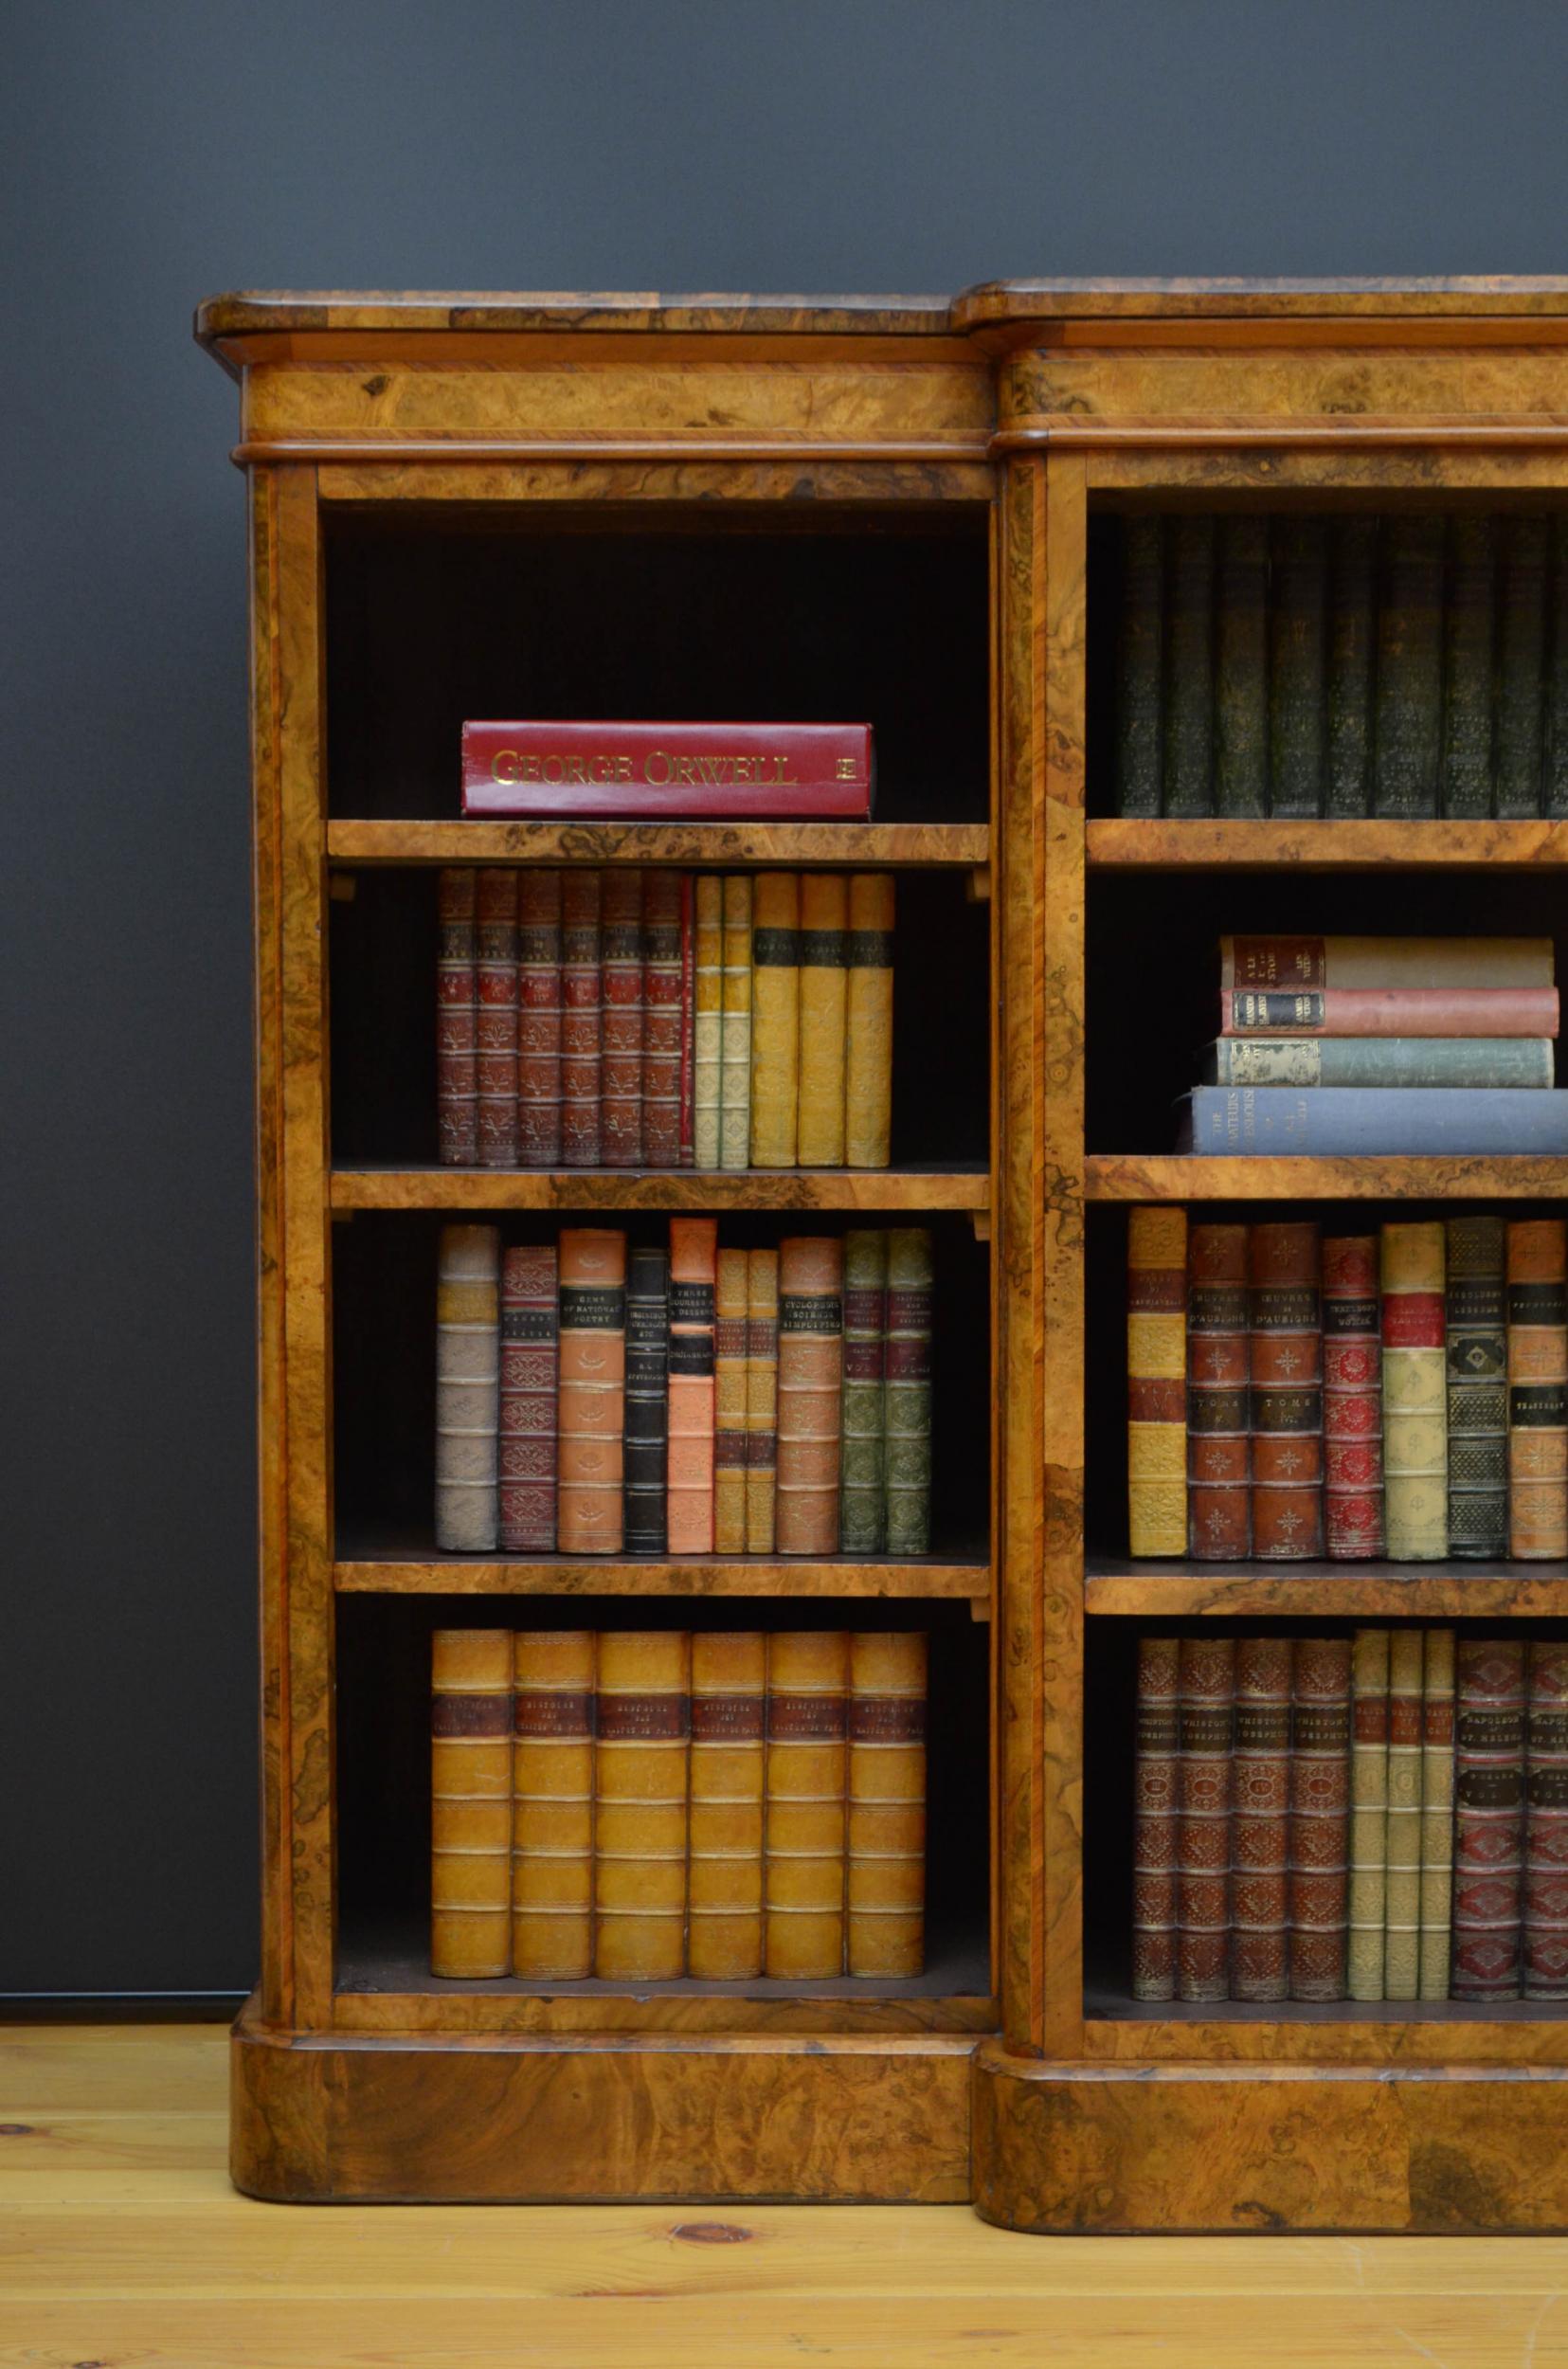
[644, 1804]
[1416, 664]
[596, 1397]
[647, 1019]
[1382, 1817]
[1399, 1393]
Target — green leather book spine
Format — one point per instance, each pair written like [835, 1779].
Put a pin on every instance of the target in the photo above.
[1139, 667]
[1469, 666]
[1352, 568]
[1241, 668]
[1554, 792]
[1520, 655]
[1189, 670]
[1297, 646]
[1409, 703]
[862, 1501]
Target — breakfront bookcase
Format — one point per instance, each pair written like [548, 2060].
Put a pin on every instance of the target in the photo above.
[896, 512]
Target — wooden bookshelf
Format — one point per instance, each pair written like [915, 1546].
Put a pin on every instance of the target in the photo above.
[1393, 1176]
[1155, 844]
[428, 1573]
[1157, 1590]
[886, 845]
[714, 1189]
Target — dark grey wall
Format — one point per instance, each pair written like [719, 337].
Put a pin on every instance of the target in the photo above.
[153, 153]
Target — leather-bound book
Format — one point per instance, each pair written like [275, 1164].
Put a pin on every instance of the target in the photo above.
[868, 1057]
[886, 1889]
[1488, 1816]
[1219, 1459]
[591, 1516]
[730, 1404]
[553, 1804]
[469, 1803]
[863, 1505]
[1320, 1817]
[1140, 649]
[775, 1018]
[707, 1020]
[457, 1018]
[693, 1275]
[906, 1397]
[735, 1025]
[539, 1018]
[647, 1400]
[662, 1019]
[1554, 793]
[1470, 617]
[582, 1038]
[622, 1018]
[1206, 1683]
[1188, 699]
[1475, 1259]
[1416, 1486]
[1260, 1783]
[529, 1380]
[1409, 698]
[1297, 652]
[1368, 1812]
[762, 1398]
[806, 1815]
[1157, 1382]
[1352, 1399]
[468, 1363]
[824, 1012]
[1436, 1811]
[1352, 568]
[724, 1873]
[1284, 1315]
[1538, 1390]
[643, 1717]
[1545, 1950]
[1402, 1900]
[811, 1283]
[688, 1018]
[1154, 1820]
[1300, 964]
[1241, 667]
[1520, 655]
[496, 1018]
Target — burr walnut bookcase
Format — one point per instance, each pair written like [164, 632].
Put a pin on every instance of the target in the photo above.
[901, 512]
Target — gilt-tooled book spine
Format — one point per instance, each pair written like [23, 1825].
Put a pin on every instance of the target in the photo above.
[775, 1018]
[1140, 649]
[1241, 667]
[1553, 790]
[724, 1869]
[1469, 659]
[1477, 1388]
[688, 1016]
[1352, 573]
[1260, 1783]
[582, 1039]
[1320, 1817]
[468, 1329]
[1206, 1684]
[1352, 1399]
[730, 1404]
[806, 1823]
[1368, 1812]
[1474, 1061]
[662, 1019]
[622, 1018]
[708, 1018]
[553, 1804]
[1538, 1390]
[1154, 1820]
[643, 1717]
[470, 1803]
[1545, 1950]
[647, 1400]
[811, 1326]
[1415, 1490]
[1294, 963]
[529, 1355]
[1409, 698]
[457, 1018]
[495, 1019]
[863, 1505]
[1157, 1382]
[1488, 1821]
[824, 1012]
[867, 1053]
[1437, 1812]
[762, 1398]
[590, 1512]
[1188, 699]
[886, 1887]
[911, 1277]
[1390, 1012]
[735, 1025]
[539, 1018]
[1297, 702]
[1520, 657]
[1284, 1315]
[1220, 1461]
[1402, 1904]
[693, 1282]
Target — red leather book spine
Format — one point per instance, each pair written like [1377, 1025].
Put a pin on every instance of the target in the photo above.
[495, 1042]
[1488, 1816]
[687, 1017]
[1320, 1817]
[661, 1022]
[1389, 1012]
[656, 771]
[622, 1018]
[1207, 1691]
[1219, 1466]
[1154, 1822]
[1352, 1401]
[529, 1398]
[539, 1020]
[1285, 1312]
[457, 1018]
[581, 1020]
[1260, 1780]
[1547, 1824]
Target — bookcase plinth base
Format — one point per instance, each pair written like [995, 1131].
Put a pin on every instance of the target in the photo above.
[520, 2119]
[1428, 2151]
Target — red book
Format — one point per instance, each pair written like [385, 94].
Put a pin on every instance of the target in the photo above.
[1284, 1313]
[1154, 1820]
[581, 1017]
[539, 1020]
[662, 772]
[495, 1043]
[688, 1016]
[457, 1019]
[1206, 1689]
[1488, 1820]
[527, 1400]
[622, 998]
[662, 1019]
[1389, 1012]
[1547, 1824]
[1352, 1399]
[1260, 1779]
[1320, 1817]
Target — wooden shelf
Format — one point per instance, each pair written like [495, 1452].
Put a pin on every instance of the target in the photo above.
[1161, 1590]
[1391, 1176]
[708, 844]
[1151, 844]
[963, 1187]
[412, 1568]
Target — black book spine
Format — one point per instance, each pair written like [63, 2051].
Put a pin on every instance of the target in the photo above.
[647, 1400]
[1468, 664]
[1477, 1388]
[1521, 653]
[1554, 795]
[1189, 670]
[1410, 667]
[1241, 668]
[1296, 672]
[1351, 577]
[1138, 666]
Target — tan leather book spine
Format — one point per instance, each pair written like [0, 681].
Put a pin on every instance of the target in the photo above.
[470, 1803]
[708, 1024]
[1416, 1434]
[1368, 1812]
[805, 1820]
[552, 1674]
[693, 1275]
[867, 1058]
[775, 1018]
[725, 1878]
[730, 1405]
[1437, 1812]
[1157, 1382]
[824, 995]
[468, 1369]
[1402, 1912]
[761, 1396]
[1538, 1390]
[590, 1509]
[735, 1025]
[886, 1887]
[811, 1282]
[643, 1725]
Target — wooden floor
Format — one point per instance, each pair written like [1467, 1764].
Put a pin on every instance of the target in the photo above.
[123, 2247]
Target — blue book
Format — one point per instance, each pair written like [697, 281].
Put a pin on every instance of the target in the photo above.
[1295, 1120]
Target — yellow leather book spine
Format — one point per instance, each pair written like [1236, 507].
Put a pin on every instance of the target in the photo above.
[689, 1482]
[886, 1887]
[470, 1803]
[553, 1804]
[804, 1827]
[735, 1025]
[868, 1060]
[811, 1283]
[1436, 1811]
[1368, 1812]
[725, 1876]
[775, 1018]
[729, 1406]
[761, 1396]
[1415, 1432]
[1402, 1912]
[824, 991]
[468, 1367]
[707, 1020]
[592, 1390]
[1157, 1382]
[1538, 1390]
[642, 1721]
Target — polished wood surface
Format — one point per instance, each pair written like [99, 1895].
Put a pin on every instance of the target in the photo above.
[1391, 1176]
[709, 846]
[688, 1575]
[1155, 1590]
[1154, 844]
[709, 1189]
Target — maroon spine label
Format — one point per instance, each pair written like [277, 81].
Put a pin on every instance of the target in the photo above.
[643, 1718]
[887, 1719]
[805, 1718]
[552, 1712]
[727, 1718]
[471, 1714]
